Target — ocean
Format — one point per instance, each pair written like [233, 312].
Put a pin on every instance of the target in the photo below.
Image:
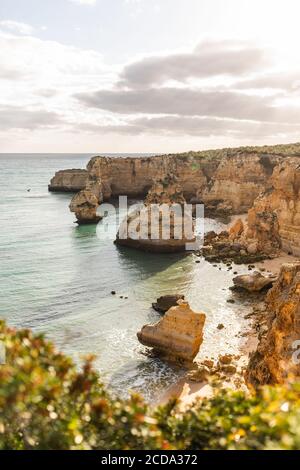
[57, 278]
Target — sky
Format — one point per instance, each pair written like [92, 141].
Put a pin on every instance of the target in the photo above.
[148, 75]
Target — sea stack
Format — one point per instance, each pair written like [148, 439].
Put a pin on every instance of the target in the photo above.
[177, 336]
[162, 224]
[85, 204]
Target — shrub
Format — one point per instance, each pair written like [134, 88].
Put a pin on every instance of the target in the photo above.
[46, 402]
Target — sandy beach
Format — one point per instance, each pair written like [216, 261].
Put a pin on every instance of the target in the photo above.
[187, 391]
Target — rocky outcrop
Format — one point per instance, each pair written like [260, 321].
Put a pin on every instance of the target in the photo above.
[205, 177]
[238, 180]
[134, 176]
[165, 302]
[227, 181]
[253, 282]
[223, 248]
[276, 359]
[273, 222]
[233, 177]
[85, 205]
[177, 336]
[162, 223]
[69, 180]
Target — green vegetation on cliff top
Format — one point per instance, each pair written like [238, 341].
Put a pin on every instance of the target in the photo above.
[284, 150]
[46, 402]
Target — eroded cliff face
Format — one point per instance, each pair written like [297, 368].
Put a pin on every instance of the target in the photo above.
[238, 180]
[274, 220]
[228, 181]
[177, 336]
[135, 176]
[276, 359]
[69, 180]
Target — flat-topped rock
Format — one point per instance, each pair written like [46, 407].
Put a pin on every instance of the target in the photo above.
[177, 336]
[68, 180]
[162, 224]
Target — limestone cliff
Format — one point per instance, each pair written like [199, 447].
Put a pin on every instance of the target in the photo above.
[227, 181]
[69, 180]
[238, 180]
[274, 220]
[135, 176]
[177, 336]
[274, 362]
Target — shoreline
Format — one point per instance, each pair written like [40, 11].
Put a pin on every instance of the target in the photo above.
[187, 391]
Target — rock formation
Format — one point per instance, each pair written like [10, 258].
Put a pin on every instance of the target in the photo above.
[165, 302]
[273, 222]
[134, 176]
[222, 247]
[69, 180]
[276, 358]
[253, 282]
[228, 181]
[162, 224]
[85, 204]
[238, 180]
[177, 336]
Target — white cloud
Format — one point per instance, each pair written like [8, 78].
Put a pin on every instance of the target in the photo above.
[168, 97]
[15, 117]
[41, 76]
[84, 2]
[17, 27]
[49, 64]
[208, 59]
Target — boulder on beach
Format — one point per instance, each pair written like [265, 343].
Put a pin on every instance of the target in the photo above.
[165, 302]
[253, 282]
[177, 336]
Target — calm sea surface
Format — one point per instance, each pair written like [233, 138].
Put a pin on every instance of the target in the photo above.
[57, 278]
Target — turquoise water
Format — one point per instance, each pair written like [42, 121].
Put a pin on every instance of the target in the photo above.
[57, 278]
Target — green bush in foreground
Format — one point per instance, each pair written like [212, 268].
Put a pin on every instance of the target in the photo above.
[47, 403]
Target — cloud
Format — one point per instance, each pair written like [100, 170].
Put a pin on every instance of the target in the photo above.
[45, 74]
[274, 81]
[194, 126]
[16, 117]
[208, 59]
[46, 92]
[179, 101]
[199, 94]
[50, 64]
[17, 27]
[163, 94]
[10, 73]
[84, 2]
